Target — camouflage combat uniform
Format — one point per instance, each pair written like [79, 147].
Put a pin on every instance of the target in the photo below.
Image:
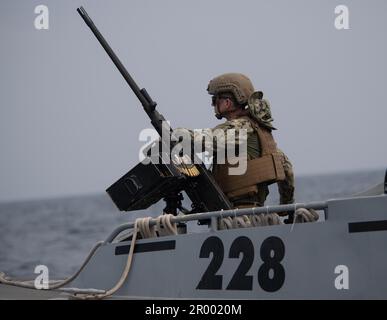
[253, 190]
[285, 187]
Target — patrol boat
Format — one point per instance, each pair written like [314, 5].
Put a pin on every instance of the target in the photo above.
[340, 256]
[243, 254]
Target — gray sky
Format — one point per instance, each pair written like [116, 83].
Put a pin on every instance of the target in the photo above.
[69, 124]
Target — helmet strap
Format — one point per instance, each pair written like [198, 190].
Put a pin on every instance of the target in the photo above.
[218, 115]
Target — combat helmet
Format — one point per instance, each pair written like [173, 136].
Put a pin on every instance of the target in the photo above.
[236, 83]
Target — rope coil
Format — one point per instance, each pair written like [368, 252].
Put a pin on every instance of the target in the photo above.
[245, 221]
[301, 215]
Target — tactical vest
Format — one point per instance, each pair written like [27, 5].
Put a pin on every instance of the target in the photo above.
[267, 168]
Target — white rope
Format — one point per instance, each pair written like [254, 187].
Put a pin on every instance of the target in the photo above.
[241, 222]
[273, 219]
[304, 215]
[257, 220]
[245, 221]
[164, 223]
[225, 223]
[146, 231]
[124, 275]
[165, 227]
[58, 283]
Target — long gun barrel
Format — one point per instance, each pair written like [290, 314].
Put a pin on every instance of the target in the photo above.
[148, 104]
[204, 192]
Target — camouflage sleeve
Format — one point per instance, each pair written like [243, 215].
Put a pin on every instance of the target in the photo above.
[286, 187]
[230, 131]
[216, 142]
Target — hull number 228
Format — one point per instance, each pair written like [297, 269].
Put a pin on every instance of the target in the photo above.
[270, 274]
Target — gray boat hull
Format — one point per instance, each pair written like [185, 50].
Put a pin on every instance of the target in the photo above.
[343, 257]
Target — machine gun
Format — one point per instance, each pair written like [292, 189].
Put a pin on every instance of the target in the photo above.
[146, 184]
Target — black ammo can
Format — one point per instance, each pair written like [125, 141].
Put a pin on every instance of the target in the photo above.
[145, 185]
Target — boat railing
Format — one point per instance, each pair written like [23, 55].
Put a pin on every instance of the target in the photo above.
[214, 215]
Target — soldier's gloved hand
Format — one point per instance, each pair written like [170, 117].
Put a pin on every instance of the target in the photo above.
[184, 143]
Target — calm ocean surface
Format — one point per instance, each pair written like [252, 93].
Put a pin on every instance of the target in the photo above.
[59, 233]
